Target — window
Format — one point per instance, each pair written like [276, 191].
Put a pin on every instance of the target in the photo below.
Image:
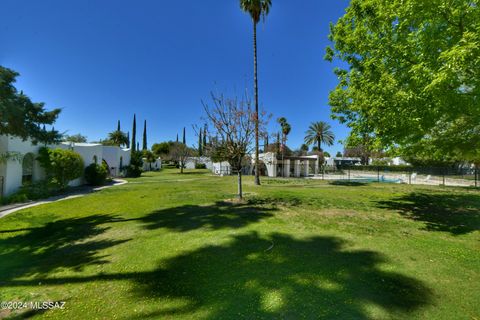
[27, 168]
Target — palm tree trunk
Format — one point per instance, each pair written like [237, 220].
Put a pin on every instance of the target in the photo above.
[255, 80]
[319, 145]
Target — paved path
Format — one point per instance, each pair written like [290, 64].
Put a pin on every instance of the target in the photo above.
[6, 210]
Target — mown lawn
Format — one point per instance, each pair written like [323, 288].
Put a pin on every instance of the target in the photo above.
[175, 246]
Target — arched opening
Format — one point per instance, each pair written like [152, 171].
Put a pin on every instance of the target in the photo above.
[27, 168]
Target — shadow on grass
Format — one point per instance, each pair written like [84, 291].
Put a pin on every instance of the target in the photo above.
[217, 216]
[347, 183]
[62, 244]
[269, 277]
[454, 213]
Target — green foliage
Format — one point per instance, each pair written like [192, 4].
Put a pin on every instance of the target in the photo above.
[134, 169]
[96, 174]
[116, 138]
[33, 191]
[21, 117]
[77, 138]
[256, 8]
[61, 166]
[414, 77]
[162, 149]
[319, 132]
[200, 166]
[339, 154]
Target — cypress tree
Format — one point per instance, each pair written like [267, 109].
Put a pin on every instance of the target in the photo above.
[205, 136]
[138, 146]
[177, 137]
[118, 125]
[134, 133]
[128, 139]
[184, 138]
[200, 142]
[145, 135]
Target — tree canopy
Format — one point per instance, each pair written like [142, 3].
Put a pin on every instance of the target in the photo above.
[21, 117]
[414, 76]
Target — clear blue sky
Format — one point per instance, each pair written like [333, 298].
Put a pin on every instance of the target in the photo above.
[104, 60]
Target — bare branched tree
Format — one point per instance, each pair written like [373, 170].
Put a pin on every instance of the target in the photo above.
[232, 131]
[180, 153]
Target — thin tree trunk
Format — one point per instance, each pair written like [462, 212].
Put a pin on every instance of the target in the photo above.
[240, 192]
[255, 80]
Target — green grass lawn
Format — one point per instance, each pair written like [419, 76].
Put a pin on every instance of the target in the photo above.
[176, 246]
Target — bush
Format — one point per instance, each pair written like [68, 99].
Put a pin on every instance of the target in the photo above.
[96, 174]
[61, 166]
[134, 170]
[33, 191]
[200, 166]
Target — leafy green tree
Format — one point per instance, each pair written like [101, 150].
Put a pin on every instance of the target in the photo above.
[162, 149]
[20, 117]
[414, 77]
[257, 9]
[61, 166]
[77, 138]
[339, 154]
[318, 133]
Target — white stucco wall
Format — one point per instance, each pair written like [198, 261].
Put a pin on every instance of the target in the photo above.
[11, 170]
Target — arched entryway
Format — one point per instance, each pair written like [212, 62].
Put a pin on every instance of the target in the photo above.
[27, 168]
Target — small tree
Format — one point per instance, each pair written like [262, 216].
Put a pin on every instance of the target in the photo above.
[61, 166]
[76, 138]
[179, 153]
[233, 122]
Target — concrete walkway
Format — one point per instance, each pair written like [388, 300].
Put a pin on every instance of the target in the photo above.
[80, 192]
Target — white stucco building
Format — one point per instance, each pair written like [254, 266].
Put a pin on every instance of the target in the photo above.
[191, 162]
[272, 165]
[22, 165]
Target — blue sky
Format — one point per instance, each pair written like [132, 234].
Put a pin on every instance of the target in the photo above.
[104, 60]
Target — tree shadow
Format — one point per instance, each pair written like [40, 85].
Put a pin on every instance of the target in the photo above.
[348, 183]
[454, 213]
[62, 244]
[220, 215]
[279, 276]
[270, 277]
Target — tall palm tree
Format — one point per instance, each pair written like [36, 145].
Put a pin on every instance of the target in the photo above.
[257, 9]
[118, 138]
[318, 133]
[286, 128]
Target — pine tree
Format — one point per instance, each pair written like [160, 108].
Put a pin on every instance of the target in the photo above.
[184, 138]
[145, 136]
[134, 133]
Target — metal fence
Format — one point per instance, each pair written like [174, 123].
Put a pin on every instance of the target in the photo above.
[446, 176]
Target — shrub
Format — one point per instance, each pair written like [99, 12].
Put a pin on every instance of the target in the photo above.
[134, 170]
[33, 191]
[200, 166]
[61, 166]
[96, 174]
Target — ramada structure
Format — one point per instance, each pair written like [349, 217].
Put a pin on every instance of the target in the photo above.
[19, 162]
